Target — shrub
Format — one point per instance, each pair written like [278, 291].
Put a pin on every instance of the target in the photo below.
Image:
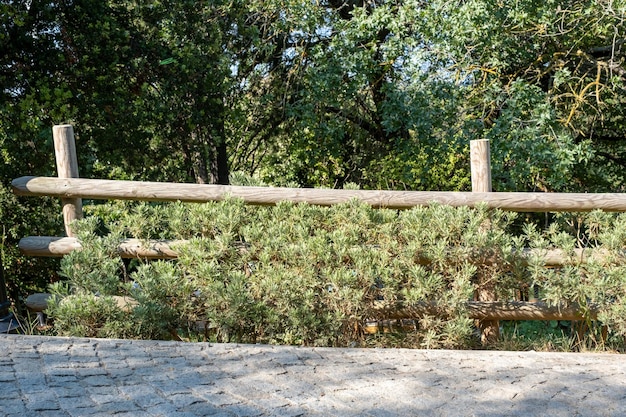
[303, 274]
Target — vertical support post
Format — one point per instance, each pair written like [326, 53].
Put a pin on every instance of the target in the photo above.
[480, 159]
[67, 167]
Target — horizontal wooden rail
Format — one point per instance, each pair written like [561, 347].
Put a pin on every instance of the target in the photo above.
[48, 246]
[98, 189]
[491, 310]
[479, 310]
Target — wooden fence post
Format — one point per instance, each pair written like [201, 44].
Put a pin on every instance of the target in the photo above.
[480, 159]
[67, 167]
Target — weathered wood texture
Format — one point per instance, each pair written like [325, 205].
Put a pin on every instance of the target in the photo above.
[98, 189]
[492, 310]
[480, 310]
[49, 246]
[67, 167]
[480, 159]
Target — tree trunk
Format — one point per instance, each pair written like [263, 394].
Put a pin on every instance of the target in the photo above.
[219, 163]
[218, 154]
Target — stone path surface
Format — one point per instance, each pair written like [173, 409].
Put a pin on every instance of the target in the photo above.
[46, 376]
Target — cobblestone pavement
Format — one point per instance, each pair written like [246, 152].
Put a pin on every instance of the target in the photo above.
[45, 376]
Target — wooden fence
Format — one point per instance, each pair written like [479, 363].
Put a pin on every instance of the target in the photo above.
[72, 189]
[97, 189]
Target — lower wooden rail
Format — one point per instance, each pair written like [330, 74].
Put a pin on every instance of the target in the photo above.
[492, 310]
[49, 246]
[479, 310]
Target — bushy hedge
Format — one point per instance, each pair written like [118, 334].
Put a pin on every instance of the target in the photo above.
[303, 274]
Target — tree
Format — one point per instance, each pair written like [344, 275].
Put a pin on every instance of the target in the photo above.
[154, 76]
[28, 63]
[389, 94]
[376, 92]
[545, 82]
[145, 104]
[187, 79]
[359, 107]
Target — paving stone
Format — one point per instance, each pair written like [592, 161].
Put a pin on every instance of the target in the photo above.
[148, 401]
[221, 399]
[244, 410]
[60, 381]
[9, 391]
[96, 380]
[19, 356]
[184, 400]
[287, 411]
[41, 401]
[71, 404]
[12, 406]
[53, 413]
[27, 366]
[136, 390]
[30, 384]
[166, 409]
[169, 388]
[120, 373]
[203, 408]
[273, 403]
[46, 376]
[117, 406]
[90, 370]
[105, 398]
[6, 377]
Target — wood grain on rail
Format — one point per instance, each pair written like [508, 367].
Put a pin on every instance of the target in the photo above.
[50, 246]
[98, 189]
[492, 310]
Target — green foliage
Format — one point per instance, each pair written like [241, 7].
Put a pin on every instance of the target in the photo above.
[530, 150]
[540, 81]
[86, 315]
[385, 94]
[537, 335]
[302, 274]
[164, 298]
[21, 218]
[96, 269]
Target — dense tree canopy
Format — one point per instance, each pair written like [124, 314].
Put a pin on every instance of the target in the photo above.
[546, 81]
[382, 93]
